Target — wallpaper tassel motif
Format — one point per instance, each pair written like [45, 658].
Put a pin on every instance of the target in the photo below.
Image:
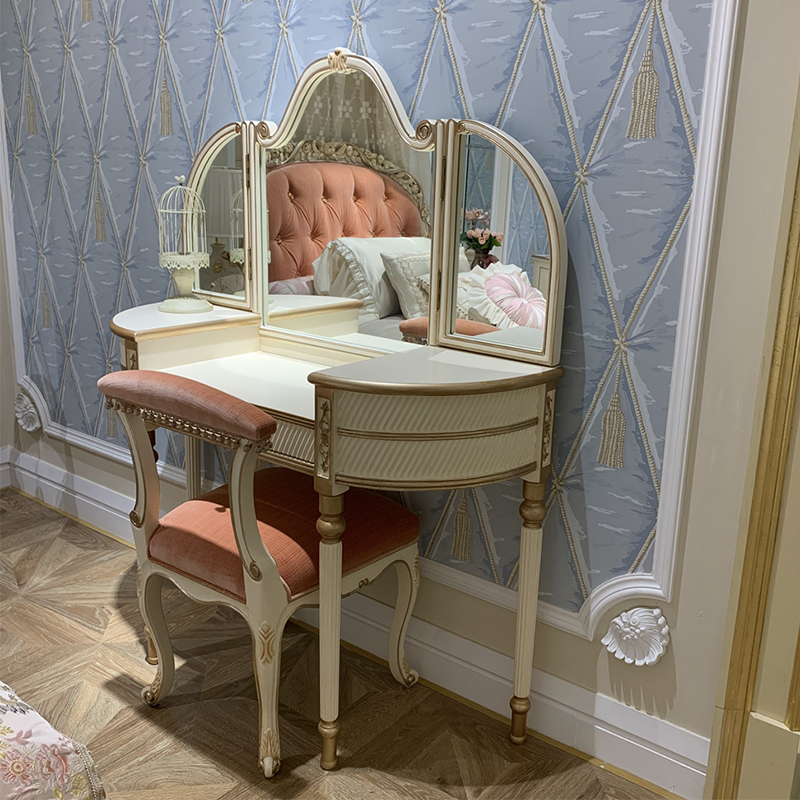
[166, 109]
[30, 112]
[46, 321]
[86, 11]
[462, 537]
[612, 438]
[642, 124]
[99, 219]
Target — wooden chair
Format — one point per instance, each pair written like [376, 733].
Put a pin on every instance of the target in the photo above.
[252, 544]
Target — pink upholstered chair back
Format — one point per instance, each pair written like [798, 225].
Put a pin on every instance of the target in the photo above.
[311, 203]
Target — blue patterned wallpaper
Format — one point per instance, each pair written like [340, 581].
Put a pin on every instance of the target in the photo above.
[107, 100]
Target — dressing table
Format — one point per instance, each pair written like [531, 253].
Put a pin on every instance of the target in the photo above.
[355, 409]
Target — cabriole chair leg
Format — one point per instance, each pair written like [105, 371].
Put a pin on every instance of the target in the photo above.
[153, 614]
[267, 636]
[407, 580]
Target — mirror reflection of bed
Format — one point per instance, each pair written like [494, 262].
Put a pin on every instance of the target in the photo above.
[348, 204]
[347, 242]
[349, 220]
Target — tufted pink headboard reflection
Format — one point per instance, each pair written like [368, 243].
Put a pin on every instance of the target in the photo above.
[311, 203]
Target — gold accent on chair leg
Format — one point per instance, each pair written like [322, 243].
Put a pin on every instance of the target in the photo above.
[519, 718]
[152, 655]
[329, 731]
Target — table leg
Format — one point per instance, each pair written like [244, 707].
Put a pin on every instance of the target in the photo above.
[532, 510]
[330, 527]
[193, 466]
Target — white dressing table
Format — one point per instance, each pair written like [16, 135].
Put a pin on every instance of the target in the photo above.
[425, 418]
[359, 410]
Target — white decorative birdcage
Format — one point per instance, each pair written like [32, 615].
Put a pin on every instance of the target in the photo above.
[182, 246]
[236, 250]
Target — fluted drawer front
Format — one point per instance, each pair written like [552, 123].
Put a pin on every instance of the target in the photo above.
[435, 414]
[440, 462]
[293, 441]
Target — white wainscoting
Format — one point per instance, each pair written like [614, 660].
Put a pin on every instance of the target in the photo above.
[652, 748]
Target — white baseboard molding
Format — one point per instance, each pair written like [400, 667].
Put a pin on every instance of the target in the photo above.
[5, 467]
[569, 621]
[88, 501]
[653, 749]
[631, 740]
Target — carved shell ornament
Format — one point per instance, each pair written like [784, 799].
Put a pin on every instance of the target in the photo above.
[26, 413]
[639, 636]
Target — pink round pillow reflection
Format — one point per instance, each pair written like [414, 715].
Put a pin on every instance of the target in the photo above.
[520, 301]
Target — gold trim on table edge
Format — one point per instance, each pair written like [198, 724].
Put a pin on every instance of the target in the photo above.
[433, 436]
[436, 389]
[427, 483]
[248, 318]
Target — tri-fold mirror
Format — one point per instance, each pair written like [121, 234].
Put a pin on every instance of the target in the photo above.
[344, 221]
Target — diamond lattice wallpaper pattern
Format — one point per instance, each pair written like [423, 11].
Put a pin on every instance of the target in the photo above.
[107, 100]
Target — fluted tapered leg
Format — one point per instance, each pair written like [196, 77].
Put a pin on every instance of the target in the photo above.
[330, 526]
[532, 512]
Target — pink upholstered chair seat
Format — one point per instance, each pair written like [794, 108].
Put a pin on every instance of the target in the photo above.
[197, 540]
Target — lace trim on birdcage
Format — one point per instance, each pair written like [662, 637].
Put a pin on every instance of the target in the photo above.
[195, 261]
[236, 255]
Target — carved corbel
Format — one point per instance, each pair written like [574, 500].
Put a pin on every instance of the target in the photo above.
[639, 636]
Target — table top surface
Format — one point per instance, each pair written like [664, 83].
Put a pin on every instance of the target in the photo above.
[276, 383]
[143, 322]
[431, 370]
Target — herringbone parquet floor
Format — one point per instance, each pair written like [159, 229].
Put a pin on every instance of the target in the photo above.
[71, 645]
